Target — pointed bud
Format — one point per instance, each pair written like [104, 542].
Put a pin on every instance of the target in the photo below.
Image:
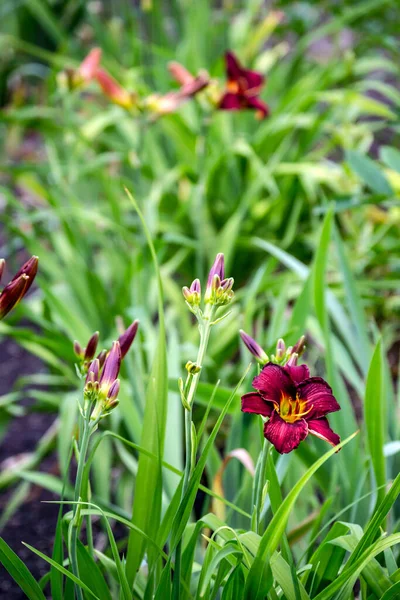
[218, 268]
[111, 367]
[254, 348]
[91, 347]
[113, 90]
[93, 371]
[102, 358]
[179, 73]
[227, 284]
[126, 339]
[300, 346]
[113, 391]
[30, 269]
[12, 294]
[89, 65]
[292, 362]
[192, 295]
[2, 267]
[280, 349]
[78, 349]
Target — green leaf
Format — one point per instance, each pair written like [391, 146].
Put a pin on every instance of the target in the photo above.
[63, 570]
[256, 585]
[390, 156]
[375, 417]
[19, 572]
[90, 573]
[369, 172]
[146, 511]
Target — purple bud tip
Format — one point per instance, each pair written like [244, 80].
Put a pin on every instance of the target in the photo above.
[253, 347]
[78, 349]
[102, 357]
[91, 346]
[292, 362]
[12, 294]
[126, 339]
[112, 365]
[196, 287]
[218, 268]
[30, 269]
[2, 267]
[300, 346]
[114, 390]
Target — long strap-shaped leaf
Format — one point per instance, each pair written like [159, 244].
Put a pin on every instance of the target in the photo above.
[146, 511]
[19, 572]
[258, 582]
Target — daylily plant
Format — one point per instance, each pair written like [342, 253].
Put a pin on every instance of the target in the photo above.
[294, 403]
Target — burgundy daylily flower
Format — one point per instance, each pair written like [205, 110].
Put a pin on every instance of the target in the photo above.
[295, 404]
[243, 88]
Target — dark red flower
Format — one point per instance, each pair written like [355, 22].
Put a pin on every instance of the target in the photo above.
[243, 88]
[295, 403]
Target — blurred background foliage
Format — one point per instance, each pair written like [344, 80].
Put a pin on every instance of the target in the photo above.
[208, 182]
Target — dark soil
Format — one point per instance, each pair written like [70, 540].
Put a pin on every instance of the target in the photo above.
[33, 522]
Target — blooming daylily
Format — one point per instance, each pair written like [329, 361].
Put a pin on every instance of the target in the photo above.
[295, 404]
[243, 88]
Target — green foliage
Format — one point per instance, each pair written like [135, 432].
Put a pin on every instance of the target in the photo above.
[303, 204]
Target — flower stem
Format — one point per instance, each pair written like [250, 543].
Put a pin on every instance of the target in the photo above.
[190, 391]
[259, 485]
[76, 520]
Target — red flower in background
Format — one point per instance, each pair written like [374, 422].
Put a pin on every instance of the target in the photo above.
[243, 88]
[295, 403]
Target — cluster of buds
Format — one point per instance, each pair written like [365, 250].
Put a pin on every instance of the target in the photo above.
[282, 356]
[218, 290]
[18, 286]
[101, 383]
[240, 92]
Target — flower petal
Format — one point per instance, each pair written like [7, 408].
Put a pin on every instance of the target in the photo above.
[273, 382]
[285, 436]
[316, 392]
[254, 81]
[233, 68]
[230, 102]
[259, 105]
[320, 428]
[254, 403]
[298, 373]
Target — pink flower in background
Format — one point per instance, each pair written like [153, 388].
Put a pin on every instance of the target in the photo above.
[295, 404]
[243, 88]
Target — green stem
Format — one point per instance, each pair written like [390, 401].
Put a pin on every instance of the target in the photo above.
[190, 392]
[259, 484]
[76, 521]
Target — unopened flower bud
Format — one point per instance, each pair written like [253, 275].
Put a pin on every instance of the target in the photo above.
[93, 371]
[292, 362]
[300, 346]
[110, 369]
[192, 367]
[2, 267]
[280, 349]
[254, 348]
[102, 357]
[113, 391]
[192, 295]
[78, 349]
[126, 339]
[12, 294]
[218, 268]
[91, 347]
